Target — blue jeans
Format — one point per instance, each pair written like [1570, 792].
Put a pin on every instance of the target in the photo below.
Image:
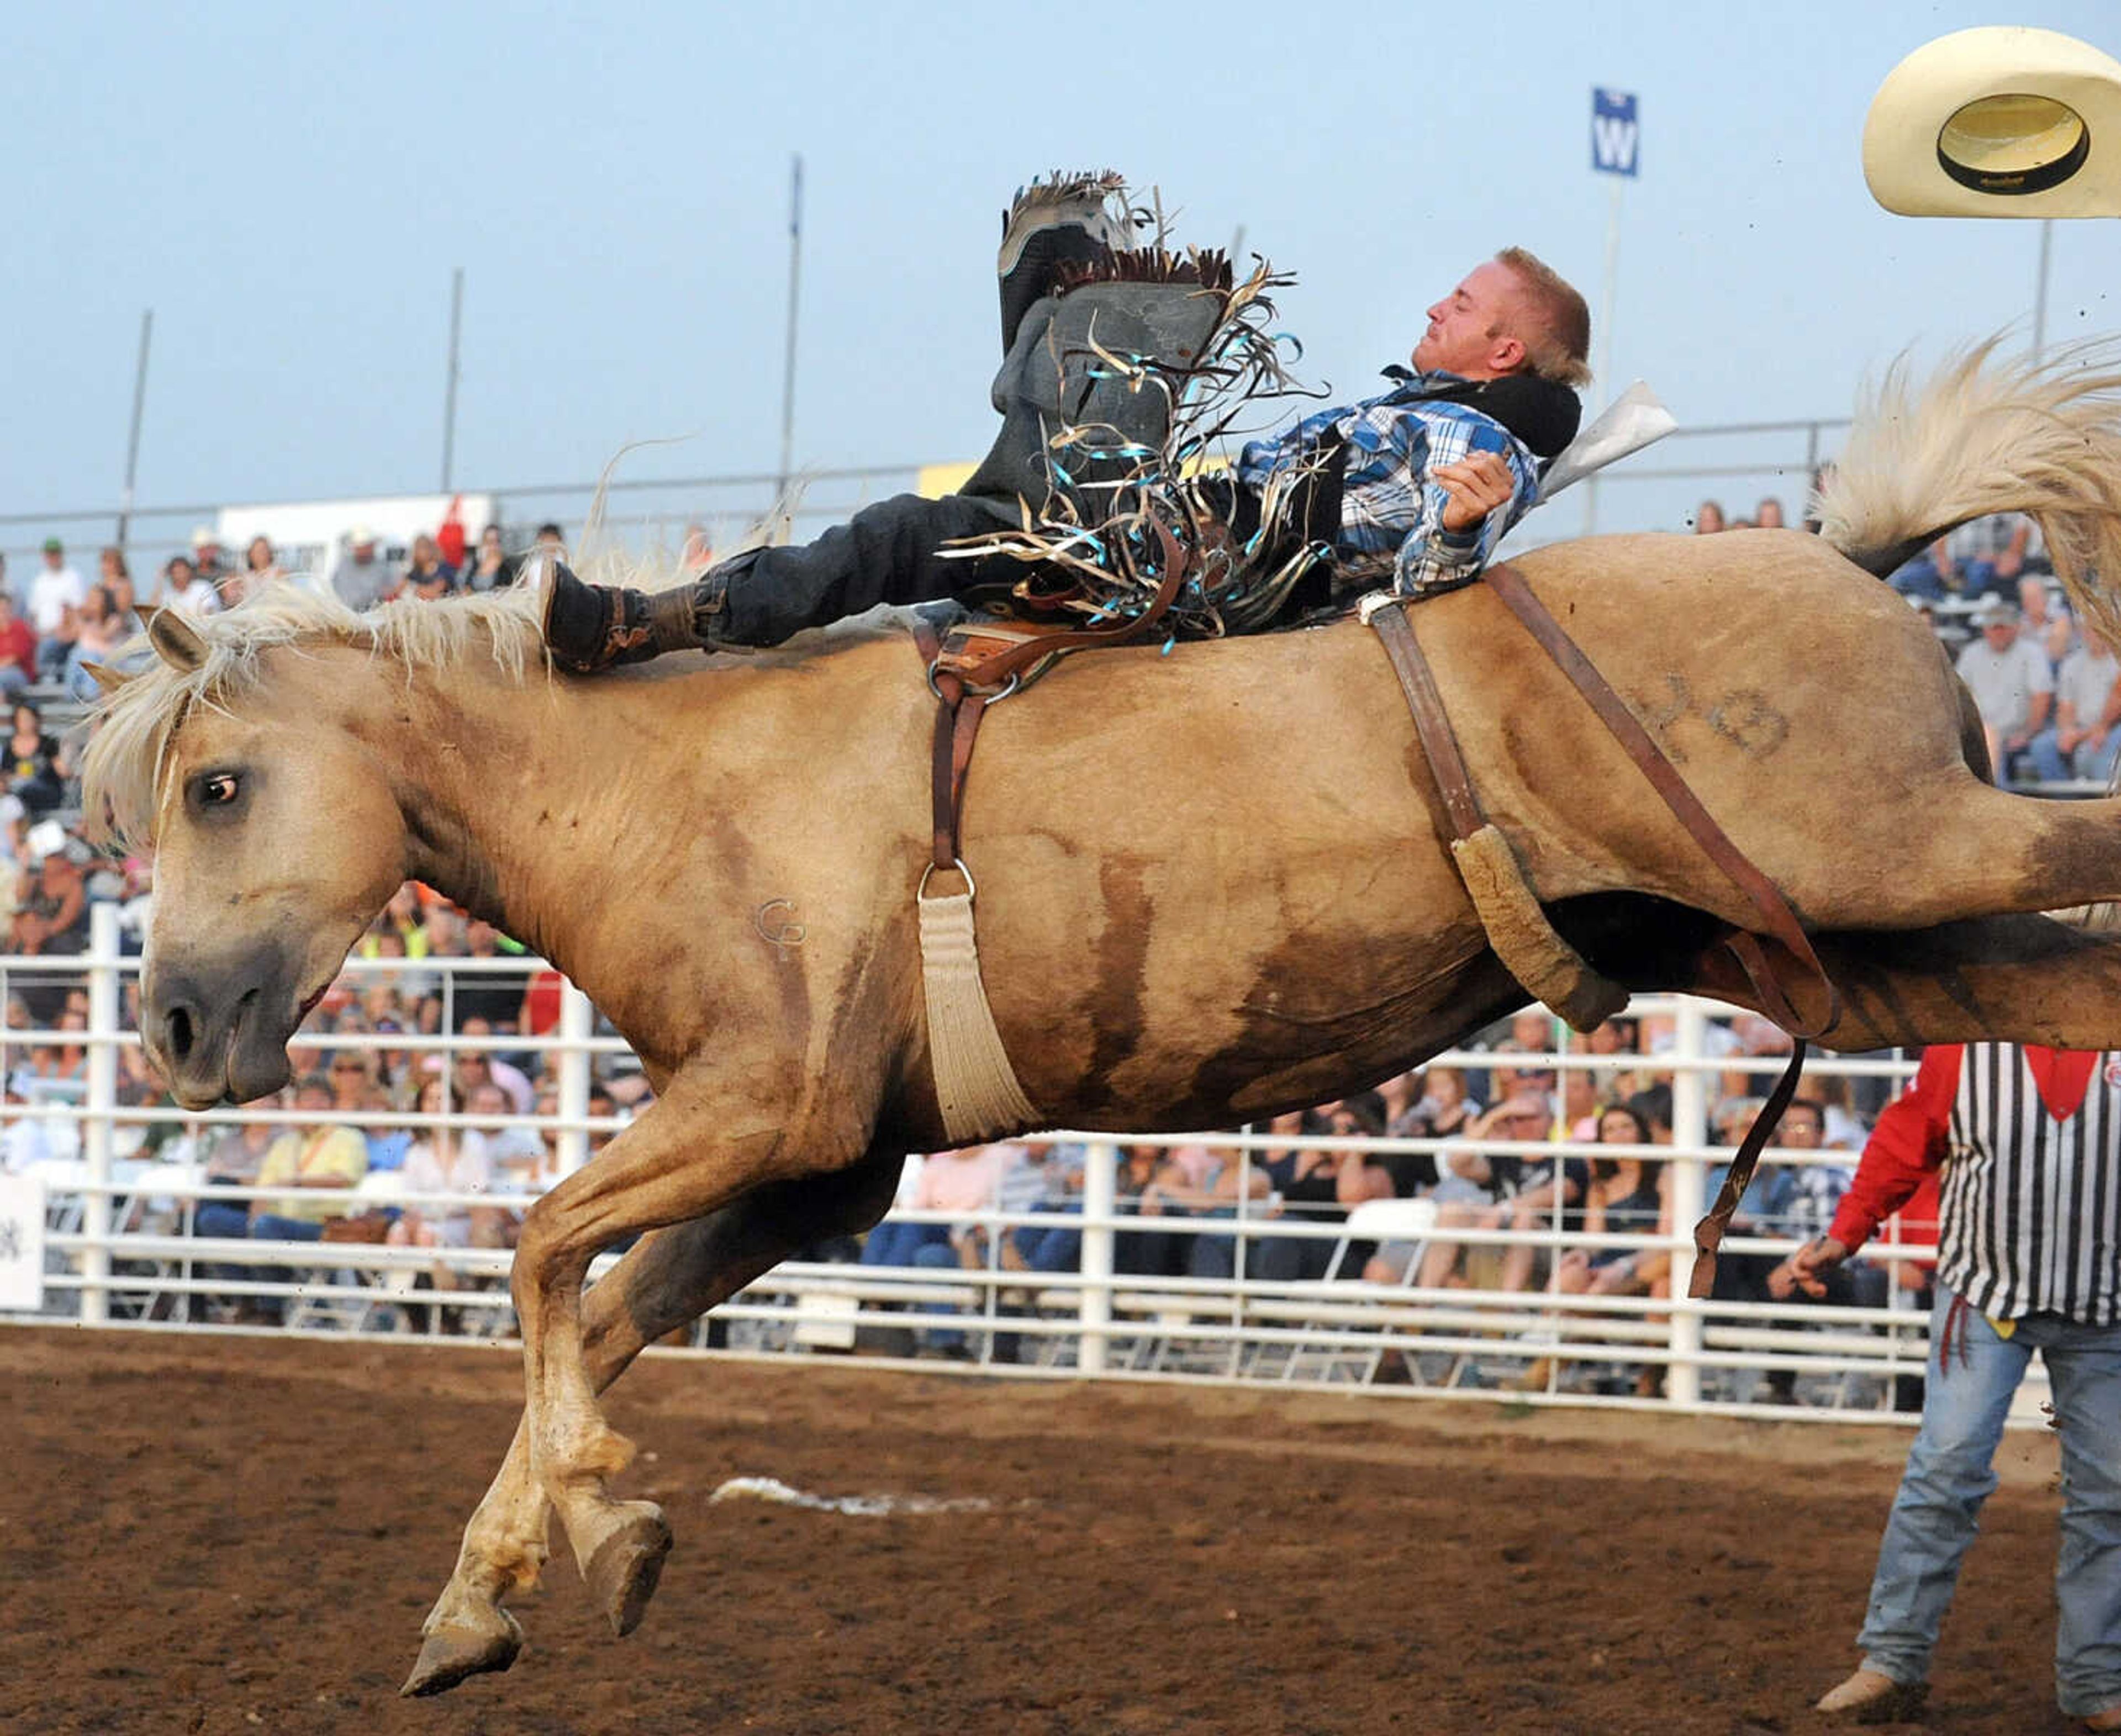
[266, 1227]
[1918, 578]
[1950, 1473]
[896, 1242]
[2093, 756]
[1056, 1250]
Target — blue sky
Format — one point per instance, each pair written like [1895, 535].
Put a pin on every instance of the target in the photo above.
[289, 189]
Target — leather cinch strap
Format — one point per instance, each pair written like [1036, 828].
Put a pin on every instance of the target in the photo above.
[1779, 922]
[1776, 917]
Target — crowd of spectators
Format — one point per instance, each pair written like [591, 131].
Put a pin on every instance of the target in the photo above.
[1511, 1214]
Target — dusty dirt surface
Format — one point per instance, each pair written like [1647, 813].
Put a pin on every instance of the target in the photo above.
[241, 1534]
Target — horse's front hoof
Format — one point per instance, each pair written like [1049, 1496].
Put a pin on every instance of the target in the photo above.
[622, 1572]
[452, 1652]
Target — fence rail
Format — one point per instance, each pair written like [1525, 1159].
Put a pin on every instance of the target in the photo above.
[1771, 457]
[116, 1240]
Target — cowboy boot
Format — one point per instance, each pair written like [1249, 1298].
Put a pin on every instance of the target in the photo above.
[1070, 220]
[589, 628]
[1871, 1696]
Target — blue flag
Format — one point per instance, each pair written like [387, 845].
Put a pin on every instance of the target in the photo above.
[1615, 133]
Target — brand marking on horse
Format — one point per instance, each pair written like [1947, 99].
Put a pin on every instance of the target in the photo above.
[1745, 716]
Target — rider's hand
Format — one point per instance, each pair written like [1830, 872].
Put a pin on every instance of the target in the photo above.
[1477, 486]
[1806, 1269]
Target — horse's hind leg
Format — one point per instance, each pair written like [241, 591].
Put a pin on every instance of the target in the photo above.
[2006, 978]
[1932, 855]
[667, 1280]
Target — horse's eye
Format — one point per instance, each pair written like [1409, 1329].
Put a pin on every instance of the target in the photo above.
[219, 790]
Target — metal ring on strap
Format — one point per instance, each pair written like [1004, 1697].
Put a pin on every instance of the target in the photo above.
[992, 695]
[956, 863]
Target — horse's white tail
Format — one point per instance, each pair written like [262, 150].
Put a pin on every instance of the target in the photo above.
[1987, 436]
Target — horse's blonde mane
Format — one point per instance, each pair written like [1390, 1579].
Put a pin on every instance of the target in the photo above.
[131, 728]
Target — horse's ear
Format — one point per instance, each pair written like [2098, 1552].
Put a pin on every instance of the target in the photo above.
[176, 639]
[105, 677]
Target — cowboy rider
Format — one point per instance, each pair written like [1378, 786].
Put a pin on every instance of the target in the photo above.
[1411, 489]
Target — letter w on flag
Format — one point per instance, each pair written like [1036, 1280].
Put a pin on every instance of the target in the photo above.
[1615, 133]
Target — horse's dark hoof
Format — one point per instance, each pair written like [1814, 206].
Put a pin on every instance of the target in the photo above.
[622, 1573]
[450, 1654]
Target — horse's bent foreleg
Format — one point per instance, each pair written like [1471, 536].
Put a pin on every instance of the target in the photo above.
[2008, 978]
[693, 1152]
[666, 1280]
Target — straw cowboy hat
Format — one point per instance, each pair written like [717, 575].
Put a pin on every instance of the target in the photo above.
[2002, 121]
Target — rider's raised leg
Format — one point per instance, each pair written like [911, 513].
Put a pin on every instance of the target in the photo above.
[888, 552]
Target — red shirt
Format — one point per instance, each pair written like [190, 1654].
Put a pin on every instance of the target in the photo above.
[18, 646]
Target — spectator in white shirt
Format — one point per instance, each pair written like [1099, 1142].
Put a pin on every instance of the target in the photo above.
[2012, 681]
[185, 587]
[55, 597]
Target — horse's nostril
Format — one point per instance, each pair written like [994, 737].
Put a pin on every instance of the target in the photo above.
[179, 1034]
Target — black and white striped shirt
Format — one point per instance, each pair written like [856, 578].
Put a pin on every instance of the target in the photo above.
[2028, 1141]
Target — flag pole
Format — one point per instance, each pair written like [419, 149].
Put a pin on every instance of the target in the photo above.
[1604, 337]
[795, 285]
[449, 384]
[132, 438]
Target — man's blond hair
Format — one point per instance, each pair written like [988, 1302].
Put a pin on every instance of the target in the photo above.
[1558, 343]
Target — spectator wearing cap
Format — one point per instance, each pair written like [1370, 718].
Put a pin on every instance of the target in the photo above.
[2011, 679]
[206, 554]
[2086, 735]
[55, 598]
[363, 578]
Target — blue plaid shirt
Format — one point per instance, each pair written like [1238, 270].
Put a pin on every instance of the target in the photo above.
[1392, 514]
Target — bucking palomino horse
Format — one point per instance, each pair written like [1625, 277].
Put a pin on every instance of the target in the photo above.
[1212, 885]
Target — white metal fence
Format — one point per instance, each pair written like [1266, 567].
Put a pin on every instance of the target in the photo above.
[101, 1229]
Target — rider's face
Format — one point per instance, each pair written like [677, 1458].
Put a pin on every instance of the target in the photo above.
[1471, 330]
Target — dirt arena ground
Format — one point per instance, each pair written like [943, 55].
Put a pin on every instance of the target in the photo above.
[242, 1534]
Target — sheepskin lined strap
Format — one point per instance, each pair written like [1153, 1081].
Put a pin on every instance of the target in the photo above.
[976, 1090]
[1549, 968]
[1771, 978]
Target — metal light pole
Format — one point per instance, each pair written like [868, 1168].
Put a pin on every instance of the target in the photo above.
[2040, 289]
[132, 439]
[449, 384]
[795, 285]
